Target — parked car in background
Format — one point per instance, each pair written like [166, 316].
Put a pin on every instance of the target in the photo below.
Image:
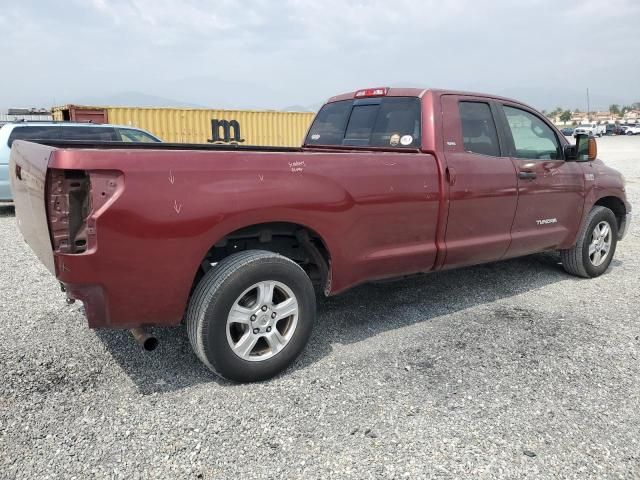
[632, 130]
[591, 129]
[567, 132]
[61, 131]
[388, 183]
[618, 130]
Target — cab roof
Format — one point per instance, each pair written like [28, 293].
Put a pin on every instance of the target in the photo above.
[420, 92]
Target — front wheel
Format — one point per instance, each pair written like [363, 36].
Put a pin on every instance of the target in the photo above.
[596, 244]
[251, 315]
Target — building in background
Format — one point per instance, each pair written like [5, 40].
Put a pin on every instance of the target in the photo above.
[631, 116]
[25, 115]
[194, 125]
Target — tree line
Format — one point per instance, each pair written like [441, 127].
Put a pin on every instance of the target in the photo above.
[615, 109]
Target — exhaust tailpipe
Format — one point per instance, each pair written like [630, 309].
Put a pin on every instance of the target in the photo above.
[143, 338]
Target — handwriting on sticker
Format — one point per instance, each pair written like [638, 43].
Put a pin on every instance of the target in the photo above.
[297, 166]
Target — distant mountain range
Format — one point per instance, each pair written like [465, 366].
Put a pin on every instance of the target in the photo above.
[139, 99]
[133, 99]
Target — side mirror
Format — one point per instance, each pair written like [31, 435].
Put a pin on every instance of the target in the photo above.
[585, 149]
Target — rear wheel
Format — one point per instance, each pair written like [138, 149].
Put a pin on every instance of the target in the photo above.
[595, 247]
[251, 315]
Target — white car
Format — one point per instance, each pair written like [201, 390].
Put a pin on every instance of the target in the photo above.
[591, 129]
[632, 130]
[88, 132]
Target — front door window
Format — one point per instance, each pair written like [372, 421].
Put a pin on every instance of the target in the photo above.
[533, 139]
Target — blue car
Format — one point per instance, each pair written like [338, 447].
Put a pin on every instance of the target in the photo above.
[566, 131]
[60, 131]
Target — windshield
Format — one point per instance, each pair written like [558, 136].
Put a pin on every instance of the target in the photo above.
[391, 122]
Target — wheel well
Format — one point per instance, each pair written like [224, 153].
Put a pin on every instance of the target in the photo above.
[615, 205]
[296, 242]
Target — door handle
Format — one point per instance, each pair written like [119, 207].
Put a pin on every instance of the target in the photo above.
[451, 175]
[527, 175]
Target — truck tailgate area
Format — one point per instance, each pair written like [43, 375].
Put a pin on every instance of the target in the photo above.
[28, 172]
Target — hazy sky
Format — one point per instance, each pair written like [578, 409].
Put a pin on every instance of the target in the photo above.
[268, 54]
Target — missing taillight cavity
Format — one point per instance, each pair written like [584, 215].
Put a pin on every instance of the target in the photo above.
[69, 205]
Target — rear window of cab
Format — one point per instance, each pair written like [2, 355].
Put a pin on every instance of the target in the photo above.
[389, 122]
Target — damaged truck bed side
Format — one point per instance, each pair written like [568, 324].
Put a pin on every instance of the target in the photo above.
[389, 182]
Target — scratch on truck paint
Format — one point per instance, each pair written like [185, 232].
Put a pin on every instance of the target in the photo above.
[261, 177]
[177, 207]
[172, 179]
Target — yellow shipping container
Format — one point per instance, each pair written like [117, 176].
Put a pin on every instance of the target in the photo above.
[193, 125]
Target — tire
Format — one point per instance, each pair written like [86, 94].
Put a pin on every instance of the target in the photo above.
[578, 260]
[239, 281]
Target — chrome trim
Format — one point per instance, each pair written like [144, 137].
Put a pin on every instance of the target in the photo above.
[624, 225]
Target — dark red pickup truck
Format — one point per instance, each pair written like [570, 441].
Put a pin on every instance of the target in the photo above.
[389, 182]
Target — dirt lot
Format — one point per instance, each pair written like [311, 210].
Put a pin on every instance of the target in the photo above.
[508, 370]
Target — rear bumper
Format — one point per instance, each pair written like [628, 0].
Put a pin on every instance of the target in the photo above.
[94, 301]
[624, 225]
[120, 292]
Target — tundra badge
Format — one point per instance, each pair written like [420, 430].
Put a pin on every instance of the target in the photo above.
[547, 221]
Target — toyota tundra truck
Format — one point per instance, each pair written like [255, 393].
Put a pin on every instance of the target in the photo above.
[234, 241]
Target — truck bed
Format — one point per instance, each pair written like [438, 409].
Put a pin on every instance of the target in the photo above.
[153, 212]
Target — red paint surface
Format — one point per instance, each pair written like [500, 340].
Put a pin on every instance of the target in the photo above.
[381, 214]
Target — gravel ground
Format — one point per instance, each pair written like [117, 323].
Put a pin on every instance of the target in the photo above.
[508, 370]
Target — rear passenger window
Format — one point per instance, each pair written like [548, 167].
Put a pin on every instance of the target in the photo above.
[478, 129]
[92, 134]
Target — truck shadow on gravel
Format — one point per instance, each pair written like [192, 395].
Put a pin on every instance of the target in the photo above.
[356, 315]
[7, 210]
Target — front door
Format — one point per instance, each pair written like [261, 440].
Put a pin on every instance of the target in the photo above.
[550, 190]
[482, 183]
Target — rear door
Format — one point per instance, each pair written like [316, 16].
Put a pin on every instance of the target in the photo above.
[393, 186]
[481, 180]
[550, 190]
